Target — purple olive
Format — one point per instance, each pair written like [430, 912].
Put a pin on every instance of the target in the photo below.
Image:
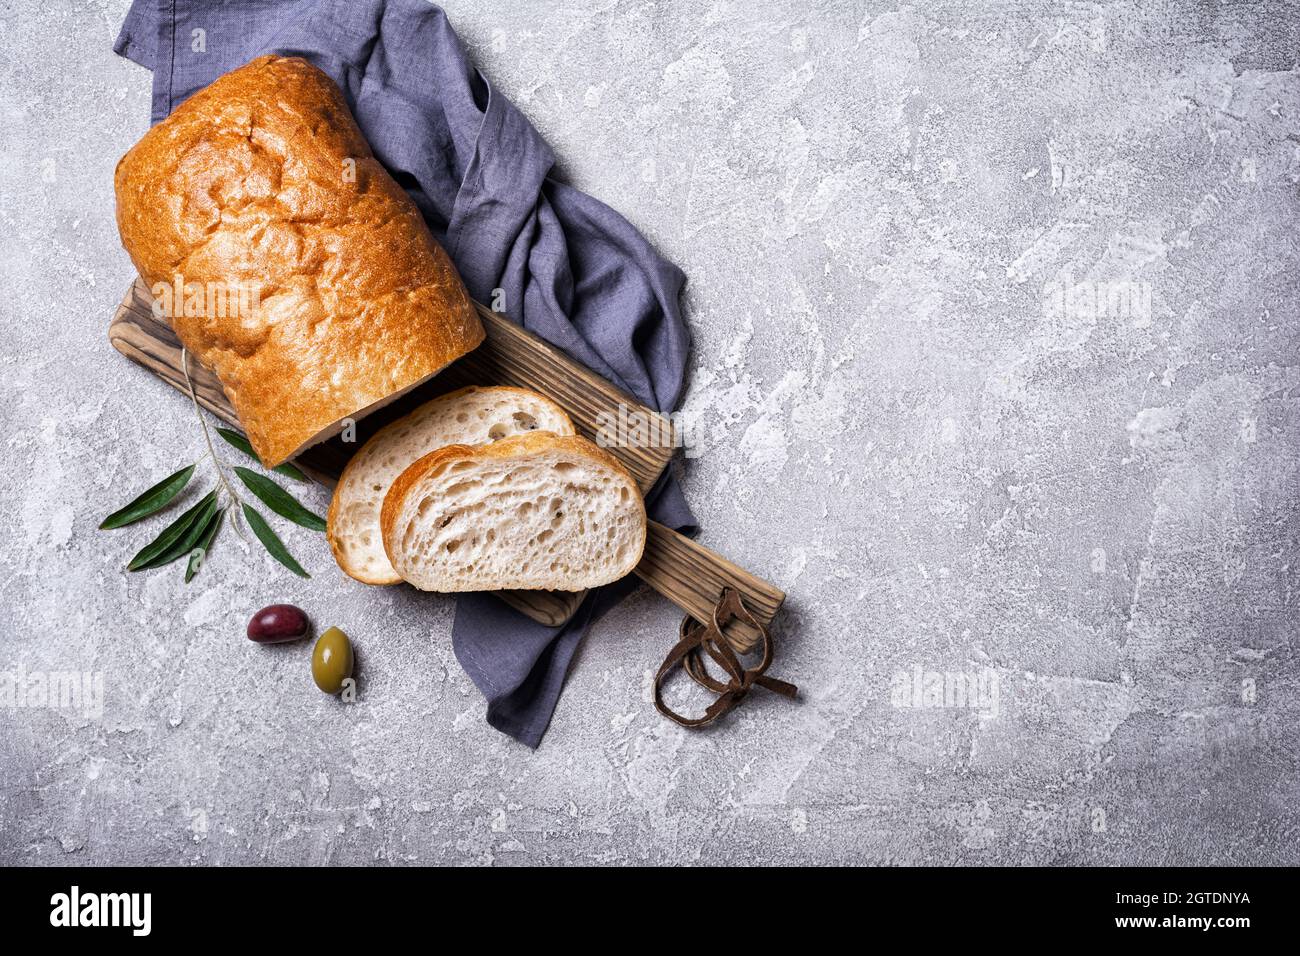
[277, 624]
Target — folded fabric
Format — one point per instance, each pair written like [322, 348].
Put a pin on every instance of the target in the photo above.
[563, 264]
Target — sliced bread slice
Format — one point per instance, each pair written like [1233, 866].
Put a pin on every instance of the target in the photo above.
[470, 416]
[535, 511]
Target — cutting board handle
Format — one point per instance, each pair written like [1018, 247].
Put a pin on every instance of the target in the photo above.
[693, 578]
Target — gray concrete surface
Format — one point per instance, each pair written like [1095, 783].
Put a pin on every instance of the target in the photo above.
[952, 467]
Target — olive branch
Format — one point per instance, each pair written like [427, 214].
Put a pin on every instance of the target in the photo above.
[192, 534]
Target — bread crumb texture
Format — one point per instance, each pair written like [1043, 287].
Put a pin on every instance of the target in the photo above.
[534, 511]
[467, 416]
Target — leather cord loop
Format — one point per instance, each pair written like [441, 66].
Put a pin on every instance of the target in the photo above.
[697, 639]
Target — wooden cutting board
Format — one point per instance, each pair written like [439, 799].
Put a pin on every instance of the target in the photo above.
[688, 574]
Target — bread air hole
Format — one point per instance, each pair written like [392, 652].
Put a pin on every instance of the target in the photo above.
[451, 546]
[524, 421]
[564, 467]
[497, 432]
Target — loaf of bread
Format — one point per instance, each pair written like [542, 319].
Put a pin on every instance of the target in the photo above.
[468, 416]
[535, 511]
[290, 263]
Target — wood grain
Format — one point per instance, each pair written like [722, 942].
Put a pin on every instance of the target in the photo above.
[692, 577]
[688, 574]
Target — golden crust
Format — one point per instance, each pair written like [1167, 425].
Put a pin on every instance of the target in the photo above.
[332, 516]
[262, 181]
[530, 443]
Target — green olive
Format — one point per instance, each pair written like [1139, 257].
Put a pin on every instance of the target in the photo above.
[331, 661]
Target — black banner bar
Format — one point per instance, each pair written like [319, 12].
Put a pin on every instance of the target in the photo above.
[323, 905]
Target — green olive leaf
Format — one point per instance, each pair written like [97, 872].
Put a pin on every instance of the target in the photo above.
[186, 542]
[242, 443]
[269, 540]
[150, 501]
[199, 552]
[279, 500]
[174, 532]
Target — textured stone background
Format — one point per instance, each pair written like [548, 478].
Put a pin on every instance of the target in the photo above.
[871, 202]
